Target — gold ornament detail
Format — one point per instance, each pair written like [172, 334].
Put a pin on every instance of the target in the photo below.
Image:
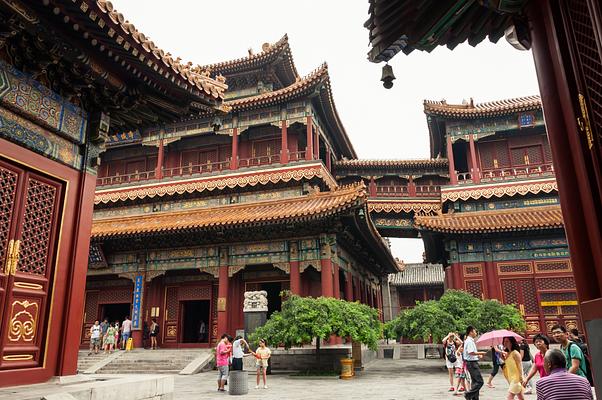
[172, 331]
[23, 321]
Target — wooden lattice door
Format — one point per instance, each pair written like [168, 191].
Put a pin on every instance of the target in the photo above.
[583, 38]
[523, 294]
[30, 210]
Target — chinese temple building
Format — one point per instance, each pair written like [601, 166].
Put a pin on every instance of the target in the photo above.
[64, 67]
[500, 233]
[415, 282]
[190, 215]
[566, 39]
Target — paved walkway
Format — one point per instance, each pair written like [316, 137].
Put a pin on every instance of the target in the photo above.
[382, 380]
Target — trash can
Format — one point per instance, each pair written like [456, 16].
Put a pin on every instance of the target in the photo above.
[347, 371]
[238, 382]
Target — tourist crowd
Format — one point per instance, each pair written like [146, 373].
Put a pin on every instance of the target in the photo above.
[229, 355]
[109, 337]
[564, 373]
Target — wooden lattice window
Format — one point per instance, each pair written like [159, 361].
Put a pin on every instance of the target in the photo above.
[475, 288]
[37, 227]
[472, 270]
[527, 155]
[8, 190]
[494, 154]
[553, 266]
[560, 283]
[514, 268]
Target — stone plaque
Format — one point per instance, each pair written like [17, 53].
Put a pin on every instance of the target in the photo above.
[256, 301]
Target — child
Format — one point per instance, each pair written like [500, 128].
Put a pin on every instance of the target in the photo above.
[460, 371]
[262, 355]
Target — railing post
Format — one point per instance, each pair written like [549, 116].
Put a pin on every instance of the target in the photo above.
[411, 187]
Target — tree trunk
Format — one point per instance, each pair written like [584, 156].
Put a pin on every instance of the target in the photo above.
[318, 340]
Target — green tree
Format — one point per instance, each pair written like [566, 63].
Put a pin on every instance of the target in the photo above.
[491, 315]
[453, 312]
[304, 318]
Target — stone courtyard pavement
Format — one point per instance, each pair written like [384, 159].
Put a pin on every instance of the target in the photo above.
[382, 380]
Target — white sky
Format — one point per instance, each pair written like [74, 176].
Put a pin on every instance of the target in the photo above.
[381, 123]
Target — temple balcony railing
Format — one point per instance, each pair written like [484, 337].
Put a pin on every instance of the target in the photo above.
[408, 191]
[391, 191]
[505, 174]
[200, 169]
[126, 178]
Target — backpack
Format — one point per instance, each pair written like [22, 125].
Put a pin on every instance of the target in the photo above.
[588, 367]
[451, 353]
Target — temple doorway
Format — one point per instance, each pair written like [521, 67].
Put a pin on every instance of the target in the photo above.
[273, 290]
[115, 312]
[195, 313]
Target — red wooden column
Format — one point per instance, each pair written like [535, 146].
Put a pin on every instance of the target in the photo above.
[349, 286]
[328, 160]
[222, 294]
[160, 157]
[309, 150]
[372, 187]
[295, 278]
[284, 143]
[492, 281]
[452, 166]
[234, 159]
[337, 283]
[326, 266]
[411, 187]
[476, 174]
[316, 144]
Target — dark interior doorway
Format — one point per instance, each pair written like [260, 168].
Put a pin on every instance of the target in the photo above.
[195, 313]
[115, 312]
[273, 290]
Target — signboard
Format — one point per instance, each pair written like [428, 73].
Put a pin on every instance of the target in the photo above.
[559, 303]
[138, 284]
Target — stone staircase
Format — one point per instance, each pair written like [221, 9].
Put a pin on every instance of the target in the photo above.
[163, 361]
[85, 361]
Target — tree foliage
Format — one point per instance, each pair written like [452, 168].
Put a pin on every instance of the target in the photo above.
[453, 312]
[304, 318]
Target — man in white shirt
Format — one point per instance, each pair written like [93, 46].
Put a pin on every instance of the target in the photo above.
[238, 352]
[471, 356]
[94, 338]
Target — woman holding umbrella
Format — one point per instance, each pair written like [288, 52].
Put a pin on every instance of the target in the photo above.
[513, 368]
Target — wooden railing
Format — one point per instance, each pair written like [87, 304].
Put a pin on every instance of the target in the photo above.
[501, 174]
[197, 169]
[117, 179]
[209, 167]
[391, 191]
[260, 160]
[428, 190]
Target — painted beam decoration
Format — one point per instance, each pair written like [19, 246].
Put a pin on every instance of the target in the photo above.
[22, 93]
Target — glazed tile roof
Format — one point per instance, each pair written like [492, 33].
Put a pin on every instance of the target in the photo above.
[421, 163]
[313, 206]
[418, 275]
[316, 82]
[126, 35]
[488, 109]
[301, 87]
[517, 219]
[279, 51]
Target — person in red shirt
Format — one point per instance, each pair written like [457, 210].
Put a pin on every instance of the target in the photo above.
[222, 358]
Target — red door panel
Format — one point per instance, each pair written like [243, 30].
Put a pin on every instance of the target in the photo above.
[29, 284]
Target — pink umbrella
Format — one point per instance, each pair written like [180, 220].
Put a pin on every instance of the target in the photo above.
[494, 338]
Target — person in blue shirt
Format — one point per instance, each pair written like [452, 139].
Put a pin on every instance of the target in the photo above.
[472, 356]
